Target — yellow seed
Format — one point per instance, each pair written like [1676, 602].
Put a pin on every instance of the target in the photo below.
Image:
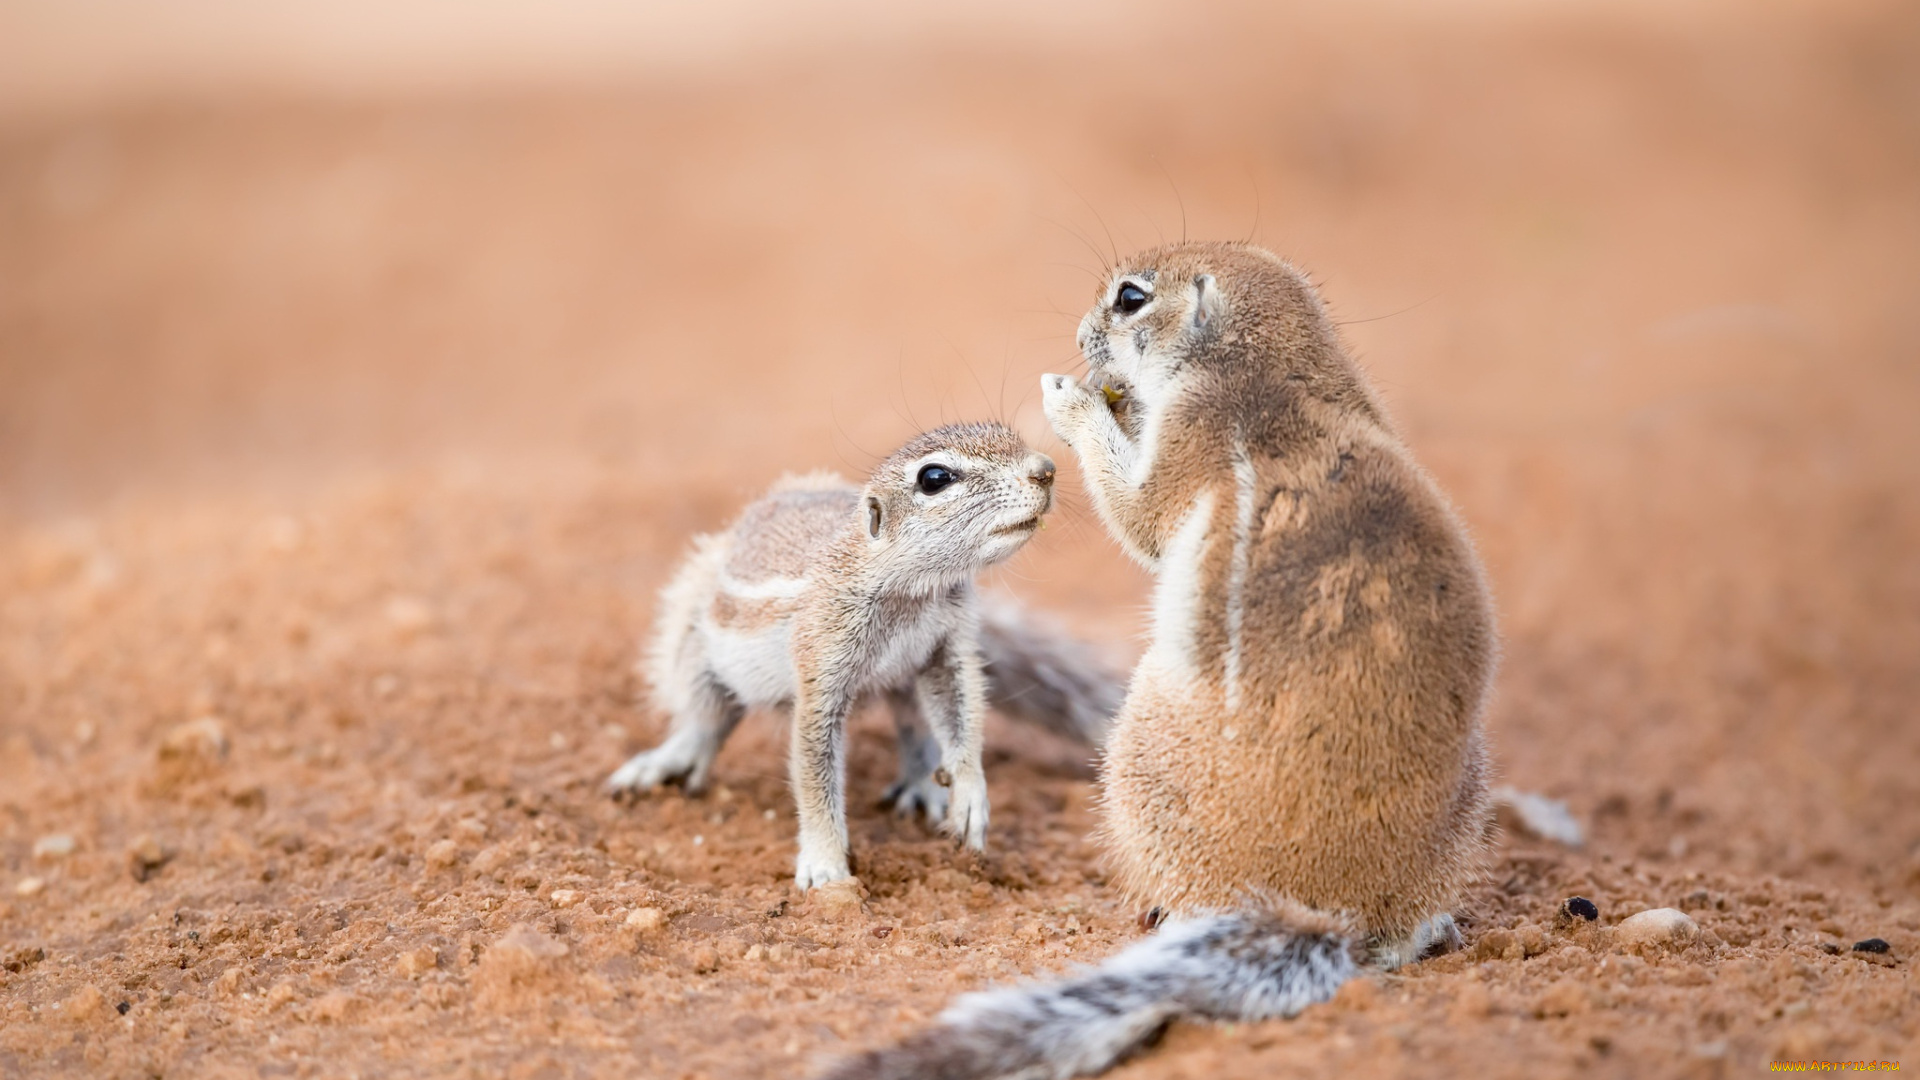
[1113, 396]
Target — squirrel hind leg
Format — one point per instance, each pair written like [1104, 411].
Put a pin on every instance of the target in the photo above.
[914, 789]
[1435, 936]
[699, 729]
[922, 796]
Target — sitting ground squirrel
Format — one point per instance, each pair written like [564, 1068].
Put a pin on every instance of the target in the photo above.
[1297, 778]
[823, 593]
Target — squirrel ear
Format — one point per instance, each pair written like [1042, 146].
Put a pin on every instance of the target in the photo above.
[873, 517]
[1207, 300]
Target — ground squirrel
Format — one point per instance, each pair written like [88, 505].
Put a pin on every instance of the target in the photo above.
[823, 593]
[1297, 778]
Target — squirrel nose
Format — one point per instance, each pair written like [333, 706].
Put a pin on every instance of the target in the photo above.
[1041, 469]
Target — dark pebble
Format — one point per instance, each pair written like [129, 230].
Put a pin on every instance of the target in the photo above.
[1830, 948]
[1872, 945]
[123, 1007]
[1578, 907]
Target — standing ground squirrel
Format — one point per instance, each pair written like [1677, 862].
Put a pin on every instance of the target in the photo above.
[1297, 778]
[823, 593]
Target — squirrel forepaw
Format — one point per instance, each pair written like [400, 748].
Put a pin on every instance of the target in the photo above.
[672, 762]
[967, 810]
[1065, 401]
[817, 868]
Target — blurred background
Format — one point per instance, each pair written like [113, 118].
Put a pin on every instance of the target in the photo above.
[449, 321]
[1637, 280]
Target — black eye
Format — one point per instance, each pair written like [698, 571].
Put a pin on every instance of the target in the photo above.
[934, 478]
[1130, 299]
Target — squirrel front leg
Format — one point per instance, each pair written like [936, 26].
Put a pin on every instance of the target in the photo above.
[1110, 459]
[953, 696]
[817, 764]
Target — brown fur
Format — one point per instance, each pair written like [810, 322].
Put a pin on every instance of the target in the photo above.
[1345, 768]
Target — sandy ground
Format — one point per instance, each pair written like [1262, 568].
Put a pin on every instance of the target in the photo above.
[344, 442]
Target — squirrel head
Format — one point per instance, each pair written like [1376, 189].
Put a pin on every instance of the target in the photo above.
[1229, 324]
[954, 500]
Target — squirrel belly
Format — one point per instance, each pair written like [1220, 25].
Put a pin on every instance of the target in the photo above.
[1317, 734]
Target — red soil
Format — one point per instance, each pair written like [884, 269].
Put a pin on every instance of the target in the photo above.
[366, 429]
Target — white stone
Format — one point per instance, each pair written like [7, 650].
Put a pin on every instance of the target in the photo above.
[1659, 926]
[1541, 817]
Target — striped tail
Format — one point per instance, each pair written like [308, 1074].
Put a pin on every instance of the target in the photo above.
[1040, 674]
[1255, 964]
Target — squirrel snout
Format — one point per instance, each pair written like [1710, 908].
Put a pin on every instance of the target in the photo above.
[1040, 468]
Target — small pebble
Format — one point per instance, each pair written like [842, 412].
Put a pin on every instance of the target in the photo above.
[85, 1004]
[335, 1007]
[203, 739]
[443, 853]
[838, 899]
[31, 886]
[521, 965]
[647, 919]
[1498, 943]
[416, 962]
[57, 846]
[409, 614]
[1576, 909]
[123, 1008]
[563, 897]
[1874, 951]
[521, 940]
[1566, 997]
[1659, 926]
[1538, 816]
[145, 857]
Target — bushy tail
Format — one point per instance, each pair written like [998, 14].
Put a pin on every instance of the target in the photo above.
[1263, 962]
[1039, 673]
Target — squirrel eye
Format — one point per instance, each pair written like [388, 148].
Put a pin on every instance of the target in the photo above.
[1130, 298]
[934, 478]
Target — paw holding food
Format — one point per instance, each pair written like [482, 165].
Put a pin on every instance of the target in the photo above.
[1066, 401]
